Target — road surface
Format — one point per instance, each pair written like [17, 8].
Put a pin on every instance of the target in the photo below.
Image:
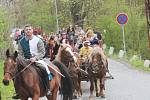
[128, 84]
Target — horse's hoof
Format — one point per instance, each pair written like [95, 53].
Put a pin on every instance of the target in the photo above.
[97, 95]
[112, 77]
[103, 96]
[74, 97]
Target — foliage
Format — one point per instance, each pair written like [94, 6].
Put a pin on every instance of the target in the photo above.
[6, 91]
[98, 14]
[4, 31]
[135, 30]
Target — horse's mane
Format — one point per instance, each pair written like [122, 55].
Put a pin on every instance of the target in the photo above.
[58, 54]
[61, 48]
[96, 51]
[21, 62]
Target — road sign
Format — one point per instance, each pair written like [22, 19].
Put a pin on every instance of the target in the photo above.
[122, 18]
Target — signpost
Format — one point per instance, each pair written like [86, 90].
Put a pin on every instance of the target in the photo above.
[122, 19]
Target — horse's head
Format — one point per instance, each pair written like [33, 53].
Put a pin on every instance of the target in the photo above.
[96, 60]
[65, 53]
[9, 66]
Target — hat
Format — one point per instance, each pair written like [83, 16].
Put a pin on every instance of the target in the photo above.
[87, 42]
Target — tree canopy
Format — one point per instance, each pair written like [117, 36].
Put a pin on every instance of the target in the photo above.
[98, 14]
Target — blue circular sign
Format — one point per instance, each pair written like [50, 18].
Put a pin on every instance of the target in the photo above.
[122, 18]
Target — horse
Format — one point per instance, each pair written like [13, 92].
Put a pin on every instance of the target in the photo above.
[66, 56]
[97, 71]
[28, 82]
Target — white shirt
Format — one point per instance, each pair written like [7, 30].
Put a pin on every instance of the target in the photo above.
[33, 45]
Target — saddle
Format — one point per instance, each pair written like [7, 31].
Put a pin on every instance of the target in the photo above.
[40, 70]
[43, 76]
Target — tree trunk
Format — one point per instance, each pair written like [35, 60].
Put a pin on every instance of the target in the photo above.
[147, 8]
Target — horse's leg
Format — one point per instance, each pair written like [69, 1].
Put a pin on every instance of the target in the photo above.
[36, 97]
[75, 90]
[91, 87]
[36, 92]
[96, 88]
[102, 87]
[80, 89]
[55, 90]
[79, 81]
[54, 94]
[75, 94]
[54, 86]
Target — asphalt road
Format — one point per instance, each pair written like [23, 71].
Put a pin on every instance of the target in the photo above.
[128, 84]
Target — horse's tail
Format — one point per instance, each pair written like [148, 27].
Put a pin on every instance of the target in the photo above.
[66, 82]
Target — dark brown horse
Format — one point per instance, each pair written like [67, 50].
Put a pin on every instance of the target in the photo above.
[28, 82]
[97, 71]
[66, 56]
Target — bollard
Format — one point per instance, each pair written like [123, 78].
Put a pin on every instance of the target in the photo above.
[111, 51]
[146, 63]
[121, 54]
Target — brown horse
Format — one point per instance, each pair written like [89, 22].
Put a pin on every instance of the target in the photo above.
[28, 82]
[97, 71]
[66, 56]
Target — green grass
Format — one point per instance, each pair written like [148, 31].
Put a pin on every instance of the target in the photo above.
[6, 91]
[138, 64]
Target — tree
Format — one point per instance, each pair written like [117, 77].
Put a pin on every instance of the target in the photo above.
[147, 8]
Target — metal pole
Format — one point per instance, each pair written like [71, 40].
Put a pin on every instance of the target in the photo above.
[124, 43]
[56, 12]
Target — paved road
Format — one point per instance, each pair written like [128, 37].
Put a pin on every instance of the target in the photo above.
[129, 84]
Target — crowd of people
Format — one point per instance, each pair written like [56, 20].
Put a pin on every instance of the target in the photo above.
[34, 45]
[81, 41]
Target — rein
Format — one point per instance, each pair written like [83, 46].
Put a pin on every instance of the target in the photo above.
[21, 70]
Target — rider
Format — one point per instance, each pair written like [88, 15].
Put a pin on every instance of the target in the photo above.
[85, 50]
[32, 47]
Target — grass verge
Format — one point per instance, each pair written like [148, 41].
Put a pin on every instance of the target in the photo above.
[5, 91]
[138, 64]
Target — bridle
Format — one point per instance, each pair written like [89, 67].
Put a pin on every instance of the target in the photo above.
[13, 76]
[72, 54]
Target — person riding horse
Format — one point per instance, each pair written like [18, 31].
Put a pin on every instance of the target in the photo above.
[32, 48]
